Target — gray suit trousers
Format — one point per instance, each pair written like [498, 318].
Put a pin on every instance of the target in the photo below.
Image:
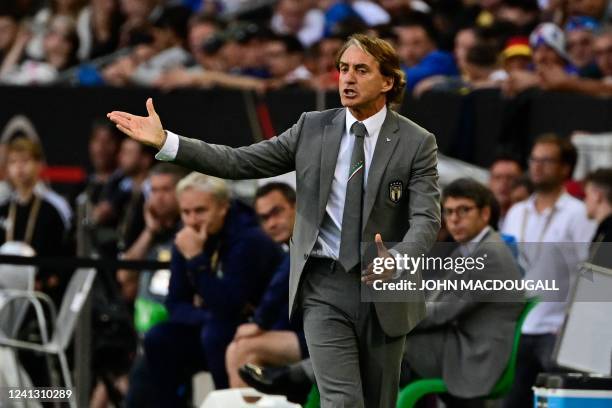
[355, 363]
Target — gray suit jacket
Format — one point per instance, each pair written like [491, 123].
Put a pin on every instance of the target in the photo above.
[472, 339]
[404, 158]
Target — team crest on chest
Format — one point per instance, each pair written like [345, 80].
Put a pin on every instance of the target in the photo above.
[395, 191]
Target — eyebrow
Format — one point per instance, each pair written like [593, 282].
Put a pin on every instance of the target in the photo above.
[357, 66]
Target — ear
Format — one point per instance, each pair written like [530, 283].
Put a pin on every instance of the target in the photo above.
[387, 84]
[486, 214]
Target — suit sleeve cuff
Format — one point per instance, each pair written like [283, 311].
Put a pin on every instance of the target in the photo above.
[170, 148]
[398, 268]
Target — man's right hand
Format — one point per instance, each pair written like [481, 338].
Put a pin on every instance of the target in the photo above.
[145, 129]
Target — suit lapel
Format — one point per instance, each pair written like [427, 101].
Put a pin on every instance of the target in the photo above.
[385, 146]
[332, 135]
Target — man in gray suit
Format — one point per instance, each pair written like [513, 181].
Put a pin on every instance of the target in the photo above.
[363, 172]
[467, 337]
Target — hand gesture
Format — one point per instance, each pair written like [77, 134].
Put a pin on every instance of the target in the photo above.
[145, 129]
[382, 252]
[190, 242]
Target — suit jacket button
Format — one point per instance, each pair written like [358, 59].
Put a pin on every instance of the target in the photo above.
[305, 256]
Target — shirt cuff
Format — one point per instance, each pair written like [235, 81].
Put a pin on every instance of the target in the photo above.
[398, 269]
[169, 150]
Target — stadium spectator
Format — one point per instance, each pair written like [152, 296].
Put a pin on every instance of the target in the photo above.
[522, 14]
[516, 55]
[464, 339]
[295, 17]
[591, 8]
[418, 51]
[598, 202]
[60, 46]
[9, 28]
[34, 214]
[504, 172]
[558, 80]
[522, 188]
[580, 36]
[221, 265]
[138, 14]
[43, 22]
[98, 29]
[465, 39]
[270, 340]
[104, 142]
[325, 72]
[550, 215]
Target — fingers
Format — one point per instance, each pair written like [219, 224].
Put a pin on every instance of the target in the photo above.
[150, 108]
[120, 118]
[380, 246]
[125, 130]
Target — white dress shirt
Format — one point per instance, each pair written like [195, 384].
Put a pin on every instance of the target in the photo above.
[565, 222]
[328, 241]
[469, 247]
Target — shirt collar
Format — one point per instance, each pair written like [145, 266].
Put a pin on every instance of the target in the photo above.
[559, 204]
[469, 247]
[372, 124]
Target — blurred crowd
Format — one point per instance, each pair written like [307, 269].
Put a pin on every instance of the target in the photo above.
[454, 46]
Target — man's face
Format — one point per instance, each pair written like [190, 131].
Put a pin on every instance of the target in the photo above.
[464, 220]
[103, 149]
[292, 12]
[580, 47]
[327, 54]
[362, 86]
[22, 169]
[278, 60]
[130, 157]
[198, 35]
[199, 208]
[545, 168]
[277, 216]
[8, 32]
[464, 40]
[162, 199]
[503, 175]
[602, 48]
[413, 45]
[544, 56]
[593, 197]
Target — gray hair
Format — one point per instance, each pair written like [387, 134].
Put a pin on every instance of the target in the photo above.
[208, 184]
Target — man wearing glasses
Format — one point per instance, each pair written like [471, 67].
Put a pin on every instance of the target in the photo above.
[549, 217]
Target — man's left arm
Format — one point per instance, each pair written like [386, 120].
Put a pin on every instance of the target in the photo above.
[424, 206]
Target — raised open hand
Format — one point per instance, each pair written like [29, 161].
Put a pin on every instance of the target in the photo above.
[145, 129]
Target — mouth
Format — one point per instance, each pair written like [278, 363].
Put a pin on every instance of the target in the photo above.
[349, 93]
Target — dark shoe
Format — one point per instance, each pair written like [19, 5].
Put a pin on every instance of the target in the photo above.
[276, 380]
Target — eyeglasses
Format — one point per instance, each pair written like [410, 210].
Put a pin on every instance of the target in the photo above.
[461, 211]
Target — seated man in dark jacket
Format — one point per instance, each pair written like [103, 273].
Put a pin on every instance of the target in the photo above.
[221, 265]
[270, 339]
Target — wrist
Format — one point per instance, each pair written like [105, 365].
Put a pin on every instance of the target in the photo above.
[162, 140]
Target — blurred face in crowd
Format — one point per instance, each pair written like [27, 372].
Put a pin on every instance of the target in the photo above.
[413, 44]
[57, 44]
[517, 63]
[132, 157]
[464, 40]
[199, 33]
[22, 169]
[362, 86]
[592, 8]
[162, 199]
[137, 10]
[277, 216]
[544, 56]
[464, 220]
[328, 49]
[199, 208]
[103, 149]
[279, 61]
[545, 168]
[519, 193]
[515, 15]
[292, 13]
[580, 47]
[504, 173]
[8, 32]
[602, 49]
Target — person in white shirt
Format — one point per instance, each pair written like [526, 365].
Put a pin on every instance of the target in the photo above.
[553, 233]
